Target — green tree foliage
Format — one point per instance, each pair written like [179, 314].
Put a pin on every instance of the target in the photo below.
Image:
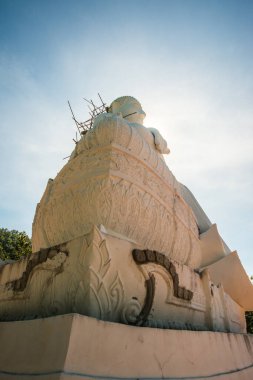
[249, 318]
[249, 321]
[14, 244]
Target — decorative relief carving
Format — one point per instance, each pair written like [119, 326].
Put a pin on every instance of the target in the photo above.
[130, 311]
[104, 286]
[150, 294]
[38, 258]
[94, 286]
[113, 128]
[116, 178]
[109, 184]
[146, 256]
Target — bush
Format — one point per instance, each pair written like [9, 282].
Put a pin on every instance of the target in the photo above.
[249, 318]
[249, 321]
[14, 244]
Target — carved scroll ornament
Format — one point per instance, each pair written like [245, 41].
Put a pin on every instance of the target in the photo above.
[146, 256]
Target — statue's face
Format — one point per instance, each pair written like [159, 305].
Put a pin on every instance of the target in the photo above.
[133, 113]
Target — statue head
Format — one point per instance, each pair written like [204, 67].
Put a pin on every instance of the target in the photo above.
[130, 109]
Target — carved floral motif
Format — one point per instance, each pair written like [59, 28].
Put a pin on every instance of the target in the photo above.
[105, 286]
[118, 180]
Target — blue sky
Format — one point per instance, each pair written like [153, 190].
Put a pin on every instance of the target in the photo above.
[188, 62]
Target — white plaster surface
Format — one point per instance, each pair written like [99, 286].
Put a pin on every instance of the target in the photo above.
[203, 221]
[230, 273]
[75, 347]
[212, 247]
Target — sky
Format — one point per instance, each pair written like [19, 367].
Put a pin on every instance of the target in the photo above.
[188, 62]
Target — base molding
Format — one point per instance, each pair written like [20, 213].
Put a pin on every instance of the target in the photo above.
[74, 346]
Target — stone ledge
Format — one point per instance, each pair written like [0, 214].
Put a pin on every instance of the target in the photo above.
[74, 346]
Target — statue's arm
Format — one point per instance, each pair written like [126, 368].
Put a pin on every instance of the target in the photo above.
[160, 143]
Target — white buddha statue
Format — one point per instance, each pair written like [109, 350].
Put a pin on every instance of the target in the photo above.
[116, 179]
[130, 109]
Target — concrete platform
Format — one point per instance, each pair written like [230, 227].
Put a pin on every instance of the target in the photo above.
[73, 346]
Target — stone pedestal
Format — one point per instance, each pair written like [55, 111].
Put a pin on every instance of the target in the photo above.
[113, 279]
[78, 347]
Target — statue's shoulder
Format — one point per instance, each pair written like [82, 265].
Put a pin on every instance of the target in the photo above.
[106, 129]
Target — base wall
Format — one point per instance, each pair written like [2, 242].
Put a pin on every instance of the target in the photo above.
[74, 347]
[110, 278]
